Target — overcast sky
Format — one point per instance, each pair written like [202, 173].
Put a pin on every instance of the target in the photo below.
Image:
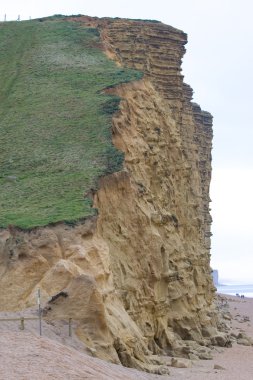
[219, 66]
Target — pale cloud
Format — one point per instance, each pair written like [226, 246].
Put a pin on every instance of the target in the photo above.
[231, 191]
[232, 210]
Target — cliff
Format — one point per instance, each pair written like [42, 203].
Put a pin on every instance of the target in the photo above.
[138, 274]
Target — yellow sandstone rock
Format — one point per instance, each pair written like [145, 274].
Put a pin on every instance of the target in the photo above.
[137, 277]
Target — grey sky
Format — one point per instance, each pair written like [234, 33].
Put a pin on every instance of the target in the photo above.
[218, 65]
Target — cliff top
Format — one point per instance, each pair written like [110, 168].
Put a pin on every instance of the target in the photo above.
[55, 123]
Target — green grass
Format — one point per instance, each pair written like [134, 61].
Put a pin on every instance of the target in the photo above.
[55, 122]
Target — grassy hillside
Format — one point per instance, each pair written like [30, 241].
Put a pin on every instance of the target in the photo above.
[55, 137]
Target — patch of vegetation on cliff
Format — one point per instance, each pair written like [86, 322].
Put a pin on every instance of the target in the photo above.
[55, 122]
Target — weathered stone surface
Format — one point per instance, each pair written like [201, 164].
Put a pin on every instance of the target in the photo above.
[244, 342]
[138, 276]
[217, 366]
[221, 340]
[181, 363]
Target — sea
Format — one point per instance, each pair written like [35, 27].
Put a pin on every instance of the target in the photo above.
[246, 290]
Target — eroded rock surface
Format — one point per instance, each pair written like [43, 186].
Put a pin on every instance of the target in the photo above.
[137, 277]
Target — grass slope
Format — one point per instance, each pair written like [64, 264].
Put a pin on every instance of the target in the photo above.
[55, 124]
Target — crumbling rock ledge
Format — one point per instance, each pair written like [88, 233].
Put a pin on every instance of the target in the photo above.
[138, 275]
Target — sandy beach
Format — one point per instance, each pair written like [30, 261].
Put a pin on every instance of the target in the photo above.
[24, 355]
[236, 362]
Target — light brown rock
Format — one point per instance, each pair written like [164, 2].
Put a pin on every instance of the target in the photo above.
[137, 276]
[244, 342]
[181, 363]
[217, 366]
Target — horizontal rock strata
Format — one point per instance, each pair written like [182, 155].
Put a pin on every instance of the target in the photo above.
[137, 276]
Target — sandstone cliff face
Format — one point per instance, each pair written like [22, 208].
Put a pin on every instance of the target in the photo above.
[138, 275]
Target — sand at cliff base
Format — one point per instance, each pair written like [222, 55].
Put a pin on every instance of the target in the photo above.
[26, 355]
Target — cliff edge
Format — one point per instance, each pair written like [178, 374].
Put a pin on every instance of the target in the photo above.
[137, 276]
